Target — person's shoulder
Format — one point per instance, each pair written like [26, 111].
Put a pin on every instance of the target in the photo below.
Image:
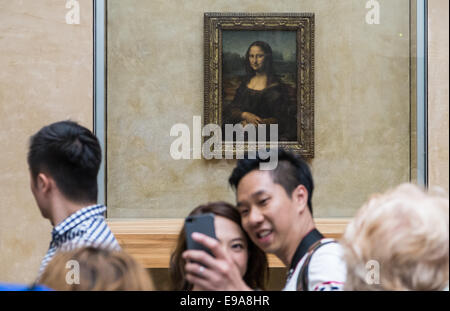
[331, 251]
[242, 85]
[330, 245]
[243, 81]
[276, 86]
[327, 269]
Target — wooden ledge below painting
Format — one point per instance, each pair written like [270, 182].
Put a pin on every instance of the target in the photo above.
[151, 241]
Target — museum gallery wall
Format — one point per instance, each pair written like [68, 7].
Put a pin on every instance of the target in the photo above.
[155, 79]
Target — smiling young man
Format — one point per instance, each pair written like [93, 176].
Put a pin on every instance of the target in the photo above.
[64, 160]
[276, 212]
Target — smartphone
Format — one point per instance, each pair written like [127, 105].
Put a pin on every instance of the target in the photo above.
[203, 223]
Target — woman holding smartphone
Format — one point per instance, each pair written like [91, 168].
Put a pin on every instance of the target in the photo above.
[249, 259]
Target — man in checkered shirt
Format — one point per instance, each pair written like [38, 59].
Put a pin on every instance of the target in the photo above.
[64, 159]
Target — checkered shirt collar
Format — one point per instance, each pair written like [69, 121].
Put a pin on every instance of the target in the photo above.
[76, 218]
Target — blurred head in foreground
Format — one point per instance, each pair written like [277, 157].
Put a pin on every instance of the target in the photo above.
[399, 241]
[95, 269]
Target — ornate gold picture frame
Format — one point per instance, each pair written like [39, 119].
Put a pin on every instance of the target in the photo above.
[232, 42]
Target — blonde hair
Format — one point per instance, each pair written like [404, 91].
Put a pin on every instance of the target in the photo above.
[99, 270]
[407, 232]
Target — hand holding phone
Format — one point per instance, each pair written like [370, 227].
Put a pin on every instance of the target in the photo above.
[204, 224]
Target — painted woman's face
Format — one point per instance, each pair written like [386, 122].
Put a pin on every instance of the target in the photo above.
[256, 58]
[233, 240]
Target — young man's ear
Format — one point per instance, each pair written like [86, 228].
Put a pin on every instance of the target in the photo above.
[300, 197]
[44, 183]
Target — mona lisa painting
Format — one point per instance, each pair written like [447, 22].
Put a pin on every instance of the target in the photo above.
[259, 71]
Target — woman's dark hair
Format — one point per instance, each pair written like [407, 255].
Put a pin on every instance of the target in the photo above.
[268, 61]
[257, 266]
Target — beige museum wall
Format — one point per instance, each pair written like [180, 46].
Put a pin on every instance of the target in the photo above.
[155, 80]
[45, 76]
[438, 101]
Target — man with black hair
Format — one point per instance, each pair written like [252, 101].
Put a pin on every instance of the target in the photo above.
[276, 212]
[64, 159]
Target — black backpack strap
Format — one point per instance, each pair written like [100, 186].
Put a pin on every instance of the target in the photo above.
[302, 280]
